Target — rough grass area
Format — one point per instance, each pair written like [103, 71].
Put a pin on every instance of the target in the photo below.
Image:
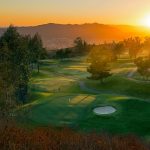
[63, 139]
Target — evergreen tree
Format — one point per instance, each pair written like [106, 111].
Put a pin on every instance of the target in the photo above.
[118, 49]
[134, 46]
[99, 67]
[143, 67]
[80, 46]
[146, 45]
[36, 50]
[14, 63]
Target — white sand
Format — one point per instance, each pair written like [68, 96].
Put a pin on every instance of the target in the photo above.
[104, 110]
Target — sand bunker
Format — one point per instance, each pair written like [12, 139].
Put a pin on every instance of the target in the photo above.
[104, 110]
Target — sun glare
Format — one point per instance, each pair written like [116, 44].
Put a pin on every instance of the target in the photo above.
[146, 21]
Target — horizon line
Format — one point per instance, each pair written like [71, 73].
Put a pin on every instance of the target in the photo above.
[19, 26]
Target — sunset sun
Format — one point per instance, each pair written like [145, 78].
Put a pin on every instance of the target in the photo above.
[146, 21]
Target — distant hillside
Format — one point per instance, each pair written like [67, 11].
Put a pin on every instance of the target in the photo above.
[60, 36]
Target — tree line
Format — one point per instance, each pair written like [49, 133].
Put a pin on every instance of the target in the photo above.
[18, 55]
[80, 48]
[134, 46]
[102, 55]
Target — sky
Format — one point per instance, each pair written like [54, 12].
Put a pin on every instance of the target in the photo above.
[35, 12]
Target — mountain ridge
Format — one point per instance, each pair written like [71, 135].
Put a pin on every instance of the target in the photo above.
[56, 36]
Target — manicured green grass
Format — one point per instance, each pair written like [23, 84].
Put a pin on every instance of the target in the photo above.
[76, 111]
[121, 85]
[132, 116]
[57, 99]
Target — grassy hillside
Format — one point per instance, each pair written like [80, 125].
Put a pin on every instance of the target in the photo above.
[61, 95]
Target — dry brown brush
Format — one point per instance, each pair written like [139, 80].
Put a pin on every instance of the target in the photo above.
[13, 138]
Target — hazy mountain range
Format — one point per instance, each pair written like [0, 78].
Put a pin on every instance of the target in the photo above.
[60, 35]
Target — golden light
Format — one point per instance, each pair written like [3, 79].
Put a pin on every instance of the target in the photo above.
[146, 21]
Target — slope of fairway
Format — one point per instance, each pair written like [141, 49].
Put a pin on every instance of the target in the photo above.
[132, 116]
[61, 95]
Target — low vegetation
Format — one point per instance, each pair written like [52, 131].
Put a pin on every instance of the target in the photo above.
[48, 138]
